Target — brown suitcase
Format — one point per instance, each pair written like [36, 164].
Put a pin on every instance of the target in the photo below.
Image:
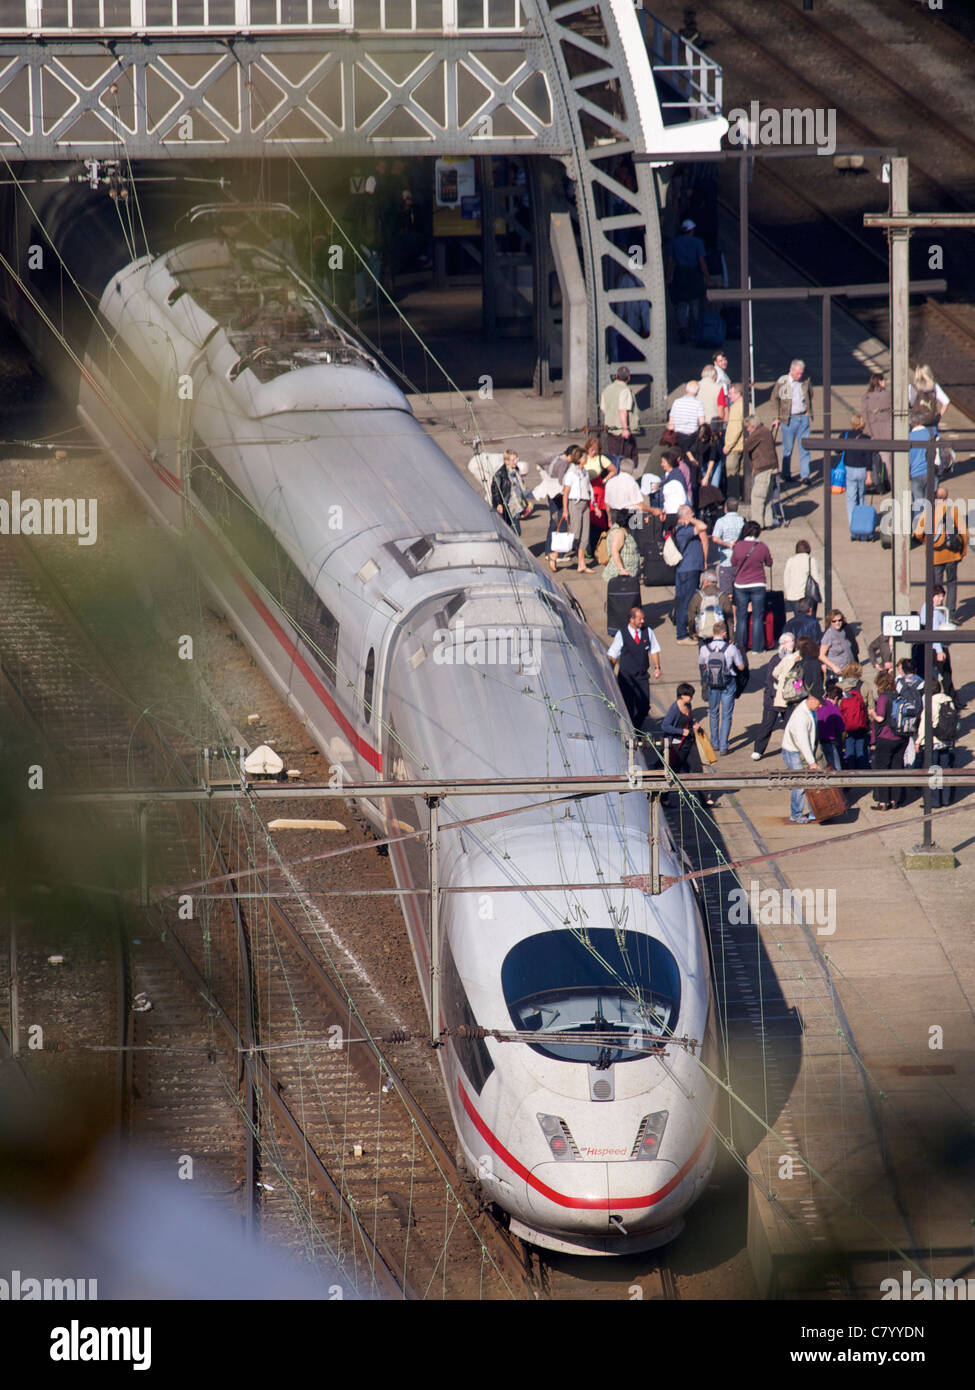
[826, 803]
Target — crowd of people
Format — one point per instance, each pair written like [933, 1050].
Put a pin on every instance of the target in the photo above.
[683, 519]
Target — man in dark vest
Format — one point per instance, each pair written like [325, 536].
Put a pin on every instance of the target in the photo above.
[632, 650]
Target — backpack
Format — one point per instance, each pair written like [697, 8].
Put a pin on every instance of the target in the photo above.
[854, 712]
[716, 674]
[905, 711]
[708, 614]
[946, 725]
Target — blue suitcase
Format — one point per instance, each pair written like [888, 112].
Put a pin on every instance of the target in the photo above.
[863, 523]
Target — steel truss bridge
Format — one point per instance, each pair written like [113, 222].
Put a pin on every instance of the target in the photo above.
[585, 82]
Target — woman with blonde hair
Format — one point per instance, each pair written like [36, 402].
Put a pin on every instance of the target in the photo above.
[925, 391]
[859, 466]
[593, 461]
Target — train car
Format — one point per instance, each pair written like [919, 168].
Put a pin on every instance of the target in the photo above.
[417, 639]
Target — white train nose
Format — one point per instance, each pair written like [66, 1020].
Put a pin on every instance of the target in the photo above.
[583, 1197]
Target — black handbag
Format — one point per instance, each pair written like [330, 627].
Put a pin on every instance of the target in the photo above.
[812, 590]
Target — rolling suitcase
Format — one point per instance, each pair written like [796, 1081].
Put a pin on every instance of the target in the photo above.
[826, 802]
[863, 523]
[650, 543]
[622, 594]
[774, 620]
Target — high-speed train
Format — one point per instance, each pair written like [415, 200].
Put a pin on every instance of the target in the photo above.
[417, 639]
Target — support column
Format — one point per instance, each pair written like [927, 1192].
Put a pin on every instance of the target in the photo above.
[575, 324]
[433, 803]
[827, 454]
[899, 361]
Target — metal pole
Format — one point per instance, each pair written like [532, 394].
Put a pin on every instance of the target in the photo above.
[929, 491]
[827, 327]
[654, 842]
[14, 999]
[899, 359]
[433, 802]
[743, 280]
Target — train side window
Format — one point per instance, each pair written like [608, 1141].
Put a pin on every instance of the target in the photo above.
[368, 681]
[472, 1052]
[265, 557]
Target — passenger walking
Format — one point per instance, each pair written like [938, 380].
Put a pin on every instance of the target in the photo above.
[792, 396]
[673, 491]
[923, 428]
[687, 416]
[762, 463]
[829, 726]
[557, 470]
[926, 392]
[621, 574]
[875, 407]
[508, 493]
[856, 721]
[631, 652]
[576, 499]
[691, 539]
[775, 708]
[719, 659]
[734, 441]
[750, 558]
[799, 748]
[708, 607]
[803, 625]
[839, 646]
[944, 724]
[727, 530]
[811, 666]
[680, 726]
[801, 579]
[621, 419]
[859, 470]
[950, 530]
[891, 744]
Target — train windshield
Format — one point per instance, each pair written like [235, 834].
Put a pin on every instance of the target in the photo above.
[597, 997]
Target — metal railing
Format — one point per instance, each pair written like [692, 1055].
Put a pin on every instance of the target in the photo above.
[59, 18]
[680, 68]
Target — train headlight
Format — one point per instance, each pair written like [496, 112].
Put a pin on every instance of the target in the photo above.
[560, 1141]
[649, 1135]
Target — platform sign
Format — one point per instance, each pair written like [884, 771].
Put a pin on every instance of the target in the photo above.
[896, 624]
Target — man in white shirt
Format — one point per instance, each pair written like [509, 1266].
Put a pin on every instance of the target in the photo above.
[727, 530]
[631, 652]
[792, 396]
[673, 492]
[623, 494]
[798, 747]
[576, 496]
[720, 361]
[686, 415]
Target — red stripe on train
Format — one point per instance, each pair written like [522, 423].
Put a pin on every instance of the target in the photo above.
[578, 1203]
[370, 754]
